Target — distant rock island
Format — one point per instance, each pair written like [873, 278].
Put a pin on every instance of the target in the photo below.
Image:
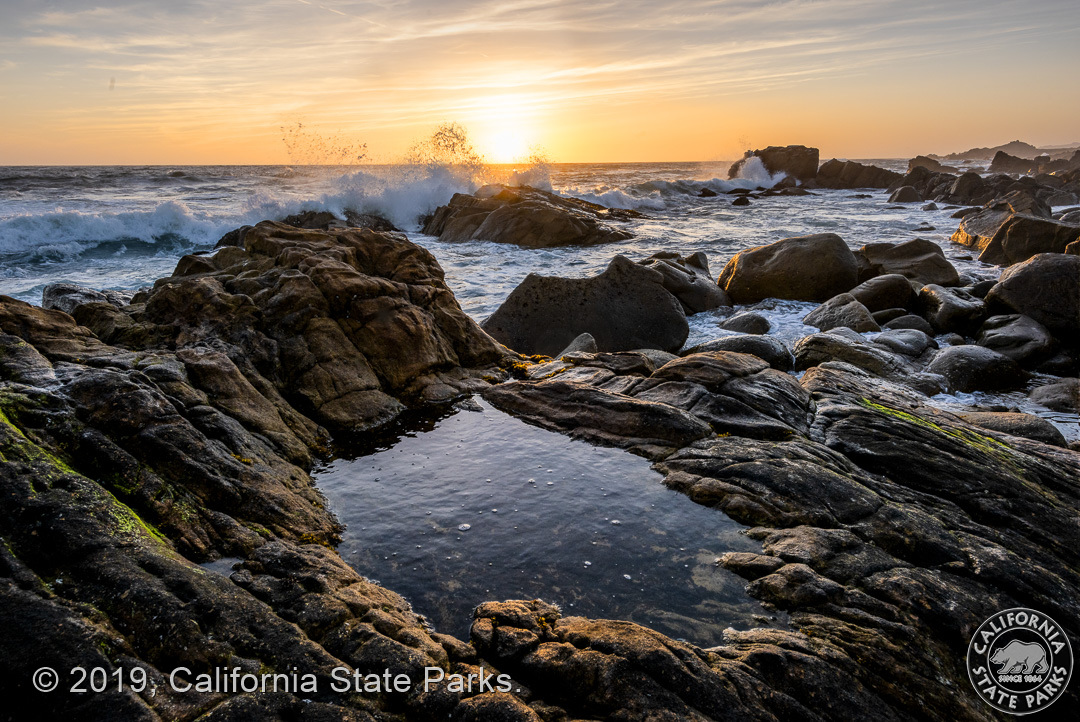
[1017, 148]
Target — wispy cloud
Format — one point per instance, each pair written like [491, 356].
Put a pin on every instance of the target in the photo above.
[192, 68]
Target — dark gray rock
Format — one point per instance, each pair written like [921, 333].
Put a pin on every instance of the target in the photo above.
[67, 297]
[849, 174]
[1045, 288]
[1022, 339]
[1061, 395]
[796, 161]
[889, 314]
[842, 311]
[974, 368]
[1028, 426]
[909, 321]
[951, 309]
[769, 349]
[741, 201]
[584, 343]
[920, 260]
[892, 290]
[689, 280]
[905, 194]
[806, 268]
[746, 322]
[625, 307]
[854, 350]
[909, 342]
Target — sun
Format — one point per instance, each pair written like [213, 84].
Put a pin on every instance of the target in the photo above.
[507, 146]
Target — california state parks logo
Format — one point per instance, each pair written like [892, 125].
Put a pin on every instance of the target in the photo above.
[1020, 661]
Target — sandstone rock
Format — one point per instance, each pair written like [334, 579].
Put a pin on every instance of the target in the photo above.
[892, 290]
[1020, 338]
[842, 311]
[746, 322]
[849, 174]
[769, 349]
[623, 308]
[527, 217]
[920, 260]
[1027, 425]
[689, 280]
[797, 161]
[905, 194]
[1045, 288]
[806, 268]
[951, 309]
[974, 368]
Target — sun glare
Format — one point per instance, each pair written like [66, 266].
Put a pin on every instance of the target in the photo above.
[507, 146]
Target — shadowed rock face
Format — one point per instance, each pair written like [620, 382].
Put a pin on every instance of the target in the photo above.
[527, 217]
[180, 433]
[797, 161]
[626, 307]
[849, 174]
[805, 268]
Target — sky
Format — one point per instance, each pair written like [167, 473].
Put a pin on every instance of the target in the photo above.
[210, 81]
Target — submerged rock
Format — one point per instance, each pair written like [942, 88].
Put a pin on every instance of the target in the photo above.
[746, 322]
[905, 194]
[805, 268]
[527, 217]
[625, 307]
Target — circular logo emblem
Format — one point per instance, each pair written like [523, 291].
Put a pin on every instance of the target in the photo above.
[1020, 661]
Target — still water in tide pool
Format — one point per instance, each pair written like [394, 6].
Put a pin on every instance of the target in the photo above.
[475, 505]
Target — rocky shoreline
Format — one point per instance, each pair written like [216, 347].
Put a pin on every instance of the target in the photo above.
[141, 438]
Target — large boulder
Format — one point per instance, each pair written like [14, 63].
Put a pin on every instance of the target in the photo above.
[796, 161]
[526, 217]
[1020, 338]
[1046, 288]
[951, 309]
[920, 260]
[1005, 163]
[974, 368]
[905, 194]
[626, 307]
[892, 290]
[805, 268]
[842, 311]
[1005, 238]
[849, 174]
[690, 280]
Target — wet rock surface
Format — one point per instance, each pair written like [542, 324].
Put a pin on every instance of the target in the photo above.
[805, 268]
[181, 428]
[626, 307]
[527, 217]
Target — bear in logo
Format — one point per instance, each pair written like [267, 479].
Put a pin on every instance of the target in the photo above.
[1021, 657]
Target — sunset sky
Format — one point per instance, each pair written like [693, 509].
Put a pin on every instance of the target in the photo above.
[206, 81]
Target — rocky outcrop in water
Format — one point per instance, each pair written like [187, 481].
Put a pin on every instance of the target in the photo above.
[849, 174]
[1004, 236]
[806, 268]
[796, 161]
[526, 217]
[626, 307]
